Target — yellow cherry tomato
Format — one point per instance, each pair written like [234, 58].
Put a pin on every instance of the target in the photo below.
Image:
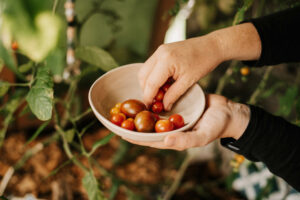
[118, 105]
[114, 110]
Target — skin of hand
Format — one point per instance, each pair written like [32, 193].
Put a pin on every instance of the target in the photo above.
[221, 118]
[188, 61]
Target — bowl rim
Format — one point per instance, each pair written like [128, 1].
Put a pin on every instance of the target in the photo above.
[139, 134]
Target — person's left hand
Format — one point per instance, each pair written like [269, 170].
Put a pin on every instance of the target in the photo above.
[222, 118]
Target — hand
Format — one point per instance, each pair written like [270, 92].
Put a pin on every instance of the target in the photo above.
[188, 61]
[222, 118]
[185, 61]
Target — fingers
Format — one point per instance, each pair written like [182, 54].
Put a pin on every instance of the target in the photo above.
[178, 88]
[146, 69]
[158, 76]
[158, 145]
[176, 141]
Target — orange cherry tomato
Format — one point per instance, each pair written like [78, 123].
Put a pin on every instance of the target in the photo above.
[177, 120]
[163, 125]
[245, 71]
[157, 107]
[117, 119]
[114, 110]
[128, 124]
[160, 95]
[130, 119]
[239, 158]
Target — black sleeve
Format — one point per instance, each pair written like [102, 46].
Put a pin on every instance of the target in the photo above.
[280, 37]
[272, 140]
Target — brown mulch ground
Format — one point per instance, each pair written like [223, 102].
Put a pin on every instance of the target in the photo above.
[147, 172]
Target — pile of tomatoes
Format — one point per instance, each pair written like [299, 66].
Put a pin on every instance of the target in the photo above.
[133, 115]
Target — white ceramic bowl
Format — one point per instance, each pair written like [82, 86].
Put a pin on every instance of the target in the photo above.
[121, 84]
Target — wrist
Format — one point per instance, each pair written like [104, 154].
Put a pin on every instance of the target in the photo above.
[239, 120]
[239, 42]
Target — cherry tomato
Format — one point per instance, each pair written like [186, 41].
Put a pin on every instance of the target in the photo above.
[14, 46]
[170, 80]
[118, 105]
[144, 121]
[166, 86]
[130, 119]
[160, 95]
[164, 125]
[128, 124]
[239, 158]
[114, 110]
[156, 117]
[132, 107]
[157, 107]
[177, 120]
[117, 119]
[245, 71]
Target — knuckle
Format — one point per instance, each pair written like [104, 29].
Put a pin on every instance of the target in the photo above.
[151, 84]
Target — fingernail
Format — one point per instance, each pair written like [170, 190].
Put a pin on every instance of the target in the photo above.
[170, 141]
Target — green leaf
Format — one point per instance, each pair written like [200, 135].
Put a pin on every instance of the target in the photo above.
[37, 132]
[287, 101]
[102, 142]
[40, 96]
[90, 184]
[26, 67]
[4, 86]
[1, 64]
[7, 58]
[36, 29]
[69, 135]
[9, 109]
[97, 57]
[113, 190]
[55, 62]
[270, 91]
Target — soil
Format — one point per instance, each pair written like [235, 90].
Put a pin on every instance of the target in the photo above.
[146, 172]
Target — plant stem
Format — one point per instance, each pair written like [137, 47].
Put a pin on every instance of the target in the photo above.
[68, 150]
[171, 191]
[54, 6]
[261, 86]
[224, 79]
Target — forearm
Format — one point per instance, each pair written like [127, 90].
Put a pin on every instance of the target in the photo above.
[240, 42]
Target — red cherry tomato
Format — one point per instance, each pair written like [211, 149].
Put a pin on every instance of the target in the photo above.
[128, 124]
[160, 95]
[163, 125]
[177, 120]
[14, 46]
[156, 117]
[117, 119]
[166, 86]
[157, 107]
[170, 80]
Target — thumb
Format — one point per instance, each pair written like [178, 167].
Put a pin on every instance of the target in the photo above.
[181, 140]
[178, 88]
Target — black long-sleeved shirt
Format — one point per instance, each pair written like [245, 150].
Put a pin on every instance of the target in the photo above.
[269, 138]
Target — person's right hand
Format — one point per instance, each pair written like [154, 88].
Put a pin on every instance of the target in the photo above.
[186, 61]
[192, 59]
